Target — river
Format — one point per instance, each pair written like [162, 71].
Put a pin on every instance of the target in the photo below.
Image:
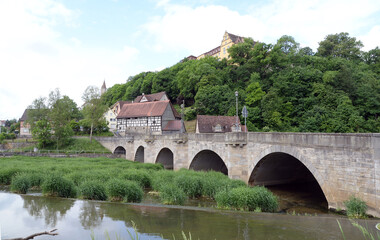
[22, 215]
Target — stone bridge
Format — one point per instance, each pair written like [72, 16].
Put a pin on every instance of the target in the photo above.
[341, 164]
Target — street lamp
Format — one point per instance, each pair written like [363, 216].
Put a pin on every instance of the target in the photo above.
[237, 115]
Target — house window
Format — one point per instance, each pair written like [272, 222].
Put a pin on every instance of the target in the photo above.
[224, 50]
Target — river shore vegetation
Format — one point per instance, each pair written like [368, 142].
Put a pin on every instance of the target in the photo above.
[122, 180]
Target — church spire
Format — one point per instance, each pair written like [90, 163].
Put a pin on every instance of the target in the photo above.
[104, 88]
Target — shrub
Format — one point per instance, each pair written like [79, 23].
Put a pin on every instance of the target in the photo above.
[20, 183]
[36, 179]
[93, 190]
[263, 199]
[214, 182]
[58, 186]
[7, 174]
[162, 178]
[172, 195]
[249, 199]
[128, 190]
[355, 207]
[138, 175]
[190, 184]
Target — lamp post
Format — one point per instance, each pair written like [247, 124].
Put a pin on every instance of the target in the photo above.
[237, 115]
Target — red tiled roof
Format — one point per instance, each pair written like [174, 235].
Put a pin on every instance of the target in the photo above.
[144, 109]
[151, 97]
[173, 125]
[206, 124]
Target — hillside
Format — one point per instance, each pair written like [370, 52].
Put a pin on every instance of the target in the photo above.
[285, 87]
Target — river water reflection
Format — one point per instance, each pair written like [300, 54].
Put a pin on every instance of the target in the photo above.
[22, 215]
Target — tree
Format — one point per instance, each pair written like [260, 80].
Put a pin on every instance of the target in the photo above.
[63, 110]
[340, 45]
[93, 109]
[38, 110]
[240, 53]
[42, 133]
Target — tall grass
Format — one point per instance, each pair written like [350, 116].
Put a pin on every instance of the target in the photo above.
[249, 199]
[20, 183]
[128, 191]
[122, 180]
[366, 233]
[172, 195]
[355, 207]
[58, 186]
[93, 190]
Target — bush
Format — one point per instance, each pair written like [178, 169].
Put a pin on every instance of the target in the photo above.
[263, 199]
[249, 199]
[58, 186]
[20, 183]
[214, 182]
[355, 207]
[172, 195]
[7, 174]
[93, 190]
[143, 177]
[128, 190]
[162, 178]
[190, 184]
[36, 179]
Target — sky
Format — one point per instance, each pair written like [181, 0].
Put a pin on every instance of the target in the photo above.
[72, 44]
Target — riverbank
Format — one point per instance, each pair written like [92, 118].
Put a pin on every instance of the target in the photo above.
[122, 180]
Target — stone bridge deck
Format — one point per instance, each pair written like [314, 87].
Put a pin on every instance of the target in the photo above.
[342, 164]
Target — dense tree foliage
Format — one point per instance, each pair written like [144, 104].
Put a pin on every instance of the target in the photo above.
[285, 87]
[93, 109]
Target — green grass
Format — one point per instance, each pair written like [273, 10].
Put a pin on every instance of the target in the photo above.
[76, 145]
[190, 126]
[366, 232]
[121, 180]
[355, 207]
[82, 144]
[172, 195]
[258, 199]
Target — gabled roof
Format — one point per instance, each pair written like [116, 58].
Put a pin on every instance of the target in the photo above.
[146, 109]
[206, 123]
[24, 116]
[121, 103]
[151, 97]
[235, 38]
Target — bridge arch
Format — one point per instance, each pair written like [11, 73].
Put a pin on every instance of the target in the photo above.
[139, 155]
[119, 150]
[207, 160]
[165, 157]
[282, 171]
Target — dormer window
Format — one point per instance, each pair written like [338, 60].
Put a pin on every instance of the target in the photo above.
[143, 99]
[218, 128]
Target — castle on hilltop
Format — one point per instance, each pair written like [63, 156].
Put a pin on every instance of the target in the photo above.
[221, 51]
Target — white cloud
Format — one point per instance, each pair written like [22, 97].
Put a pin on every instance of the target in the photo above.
[372, 39]
[35, 59]
[198, 29]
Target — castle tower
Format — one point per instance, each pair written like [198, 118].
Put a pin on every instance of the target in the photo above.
[104, 88]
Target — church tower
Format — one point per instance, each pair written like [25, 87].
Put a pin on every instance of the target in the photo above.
[104, 88]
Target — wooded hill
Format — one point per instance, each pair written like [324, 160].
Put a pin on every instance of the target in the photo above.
[285, 87]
